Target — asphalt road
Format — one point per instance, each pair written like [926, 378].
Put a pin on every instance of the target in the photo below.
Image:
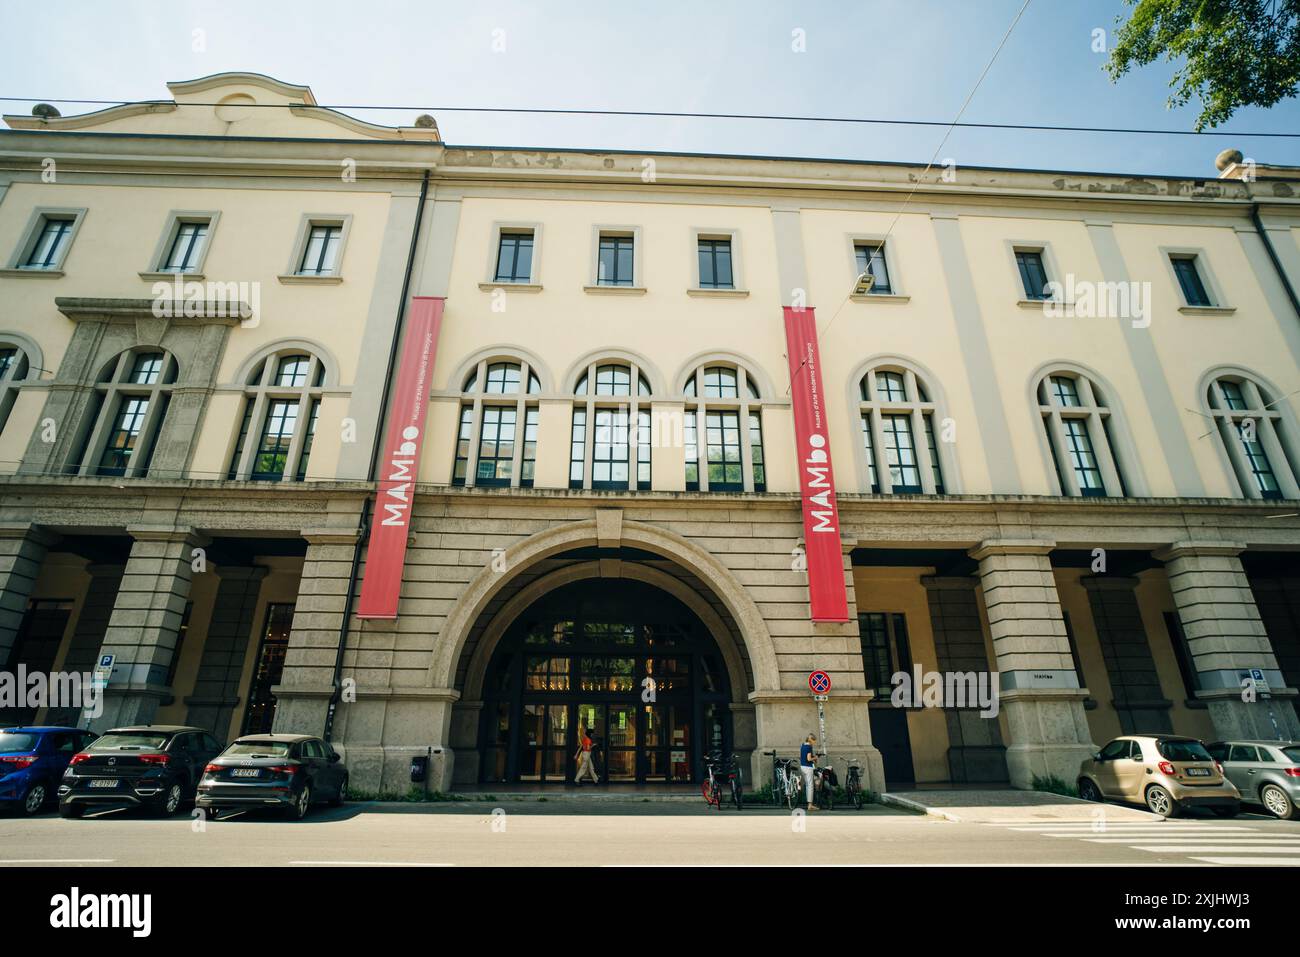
[617, 833]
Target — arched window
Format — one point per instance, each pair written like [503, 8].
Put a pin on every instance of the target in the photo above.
[492, 421]
[894, 408]
[14, 369]
[1078, 425]
[610, 442]
[1250, 425]
[125, 414]
[723, 400]
[282, 397]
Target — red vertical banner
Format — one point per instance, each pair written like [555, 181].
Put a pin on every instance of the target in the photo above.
[390, 525]
[821, 516]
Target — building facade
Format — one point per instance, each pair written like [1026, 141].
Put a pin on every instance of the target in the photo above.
[1061, 409]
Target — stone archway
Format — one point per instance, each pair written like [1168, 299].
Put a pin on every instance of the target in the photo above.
[608, 530]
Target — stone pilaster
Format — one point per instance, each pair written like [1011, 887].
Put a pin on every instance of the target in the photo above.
[225, 649]
[143, 629]
[1226, 639]
[88, 633]
[1040, 694]
[975, 749]
[302, 697]
[23, 547]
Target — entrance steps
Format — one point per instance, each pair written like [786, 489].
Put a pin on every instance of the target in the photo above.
[584, 794]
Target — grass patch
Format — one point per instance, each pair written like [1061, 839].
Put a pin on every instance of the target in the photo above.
[1051, 784]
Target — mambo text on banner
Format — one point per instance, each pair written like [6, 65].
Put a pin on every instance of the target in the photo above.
[821, 517]
[390, 527]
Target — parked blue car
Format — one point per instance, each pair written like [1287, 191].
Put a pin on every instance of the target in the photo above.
[32, 761]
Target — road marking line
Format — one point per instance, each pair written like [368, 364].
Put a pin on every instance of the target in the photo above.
[373, 863]
[1283, 861]
[1138, 835]
[1224, 849]
[1246, 840]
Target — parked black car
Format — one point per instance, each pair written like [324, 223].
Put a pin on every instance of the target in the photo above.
[151, 766]
[286, 771]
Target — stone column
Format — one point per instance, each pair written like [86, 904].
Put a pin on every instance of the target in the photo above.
[88, 633]
[302, 697]
[23, 547]
[1139, 701]
[145, 623]
[1040, 694]
[975, 749]
[1226, 639]
[225, 649]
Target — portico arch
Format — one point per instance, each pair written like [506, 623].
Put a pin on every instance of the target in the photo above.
[608, 531]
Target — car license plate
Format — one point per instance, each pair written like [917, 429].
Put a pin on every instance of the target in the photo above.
[245, 772]
[1198, 772]
[104, 783]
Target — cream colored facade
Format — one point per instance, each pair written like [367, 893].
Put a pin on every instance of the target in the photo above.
[1201, 579]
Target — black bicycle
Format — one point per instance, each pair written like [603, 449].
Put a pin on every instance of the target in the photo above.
[717, 770]
[824, 782]
[853, 785]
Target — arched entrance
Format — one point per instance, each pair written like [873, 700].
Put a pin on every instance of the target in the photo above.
[620, 658]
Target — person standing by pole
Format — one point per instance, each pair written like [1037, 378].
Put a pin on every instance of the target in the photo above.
[807, 764]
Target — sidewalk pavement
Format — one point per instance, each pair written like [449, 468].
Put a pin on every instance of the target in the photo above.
[1009, 806]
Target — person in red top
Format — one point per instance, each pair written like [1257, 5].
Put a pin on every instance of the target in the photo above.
[583, 757]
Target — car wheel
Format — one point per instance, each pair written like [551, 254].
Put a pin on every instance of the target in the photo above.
[1161, 802]
[1227, 811]
[301, 804]
[338, 799]
[1089, 791]
[171, 802]
[34, 799]
[1277, 803]
[71, 810]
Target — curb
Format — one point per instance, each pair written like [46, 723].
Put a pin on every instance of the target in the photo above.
[918, 807]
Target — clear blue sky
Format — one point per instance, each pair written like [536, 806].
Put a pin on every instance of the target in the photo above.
[907, 59]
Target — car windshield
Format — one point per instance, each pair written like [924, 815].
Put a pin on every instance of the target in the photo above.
[1176, 750]
[1293, 754]
[11, 741]
[260, 749]
[129, 741]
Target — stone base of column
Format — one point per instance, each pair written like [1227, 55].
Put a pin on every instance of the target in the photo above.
[1048, 734]
[386, 768]
[784, 718]
[301, 709]
[130, 706]
[1268, 719]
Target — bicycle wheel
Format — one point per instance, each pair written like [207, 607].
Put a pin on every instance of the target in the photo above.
[794, 790]
[715, 797]
[737, 798]
[855, 795]
[827, 800]
[706, 791]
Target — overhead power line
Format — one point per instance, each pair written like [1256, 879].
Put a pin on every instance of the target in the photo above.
[679, 114]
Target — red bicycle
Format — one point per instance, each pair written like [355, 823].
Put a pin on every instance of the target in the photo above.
[711, 786]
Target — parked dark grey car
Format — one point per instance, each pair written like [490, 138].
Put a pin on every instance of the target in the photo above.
[153, 766]
[1265, 772]
[286, 771]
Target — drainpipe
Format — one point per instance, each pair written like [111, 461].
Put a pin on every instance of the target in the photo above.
[363, 529]
[1272, 255]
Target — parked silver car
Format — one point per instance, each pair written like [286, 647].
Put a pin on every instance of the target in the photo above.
[1265, 772]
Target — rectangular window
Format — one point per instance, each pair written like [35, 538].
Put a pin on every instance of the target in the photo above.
[609, 450]
[496, 446]
[1260, 467]
[756, 452]
[578, 448]
[47, 251]
[1032, 274]
[900, 453]
[934, 454]
[614, 266]
[871, 258]
[528, 464]
[320, 253]
[715, 264]
[124, 436]
[1066, 391]
[722, 447]
[885, 650]
[870, 449]
[1182, 654]
[691, 440]
[245, 422]
[643, 449]
[515, 257]
[273, 449]
[463, 437]
[186, 247]
[307, 440]
[1078, 445]
[1189, 280]
[890, 387]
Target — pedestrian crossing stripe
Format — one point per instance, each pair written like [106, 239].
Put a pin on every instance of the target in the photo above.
[1205, 843]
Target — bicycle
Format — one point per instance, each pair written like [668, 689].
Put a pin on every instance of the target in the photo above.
[824, 785]
[853, 785]
[787, 781]
[712, 785]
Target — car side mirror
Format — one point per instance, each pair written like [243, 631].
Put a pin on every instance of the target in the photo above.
[1096, 756]
[334, 756]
